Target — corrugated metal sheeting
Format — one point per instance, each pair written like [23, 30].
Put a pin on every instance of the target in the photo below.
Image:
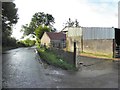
[98, 33]
[74, 31]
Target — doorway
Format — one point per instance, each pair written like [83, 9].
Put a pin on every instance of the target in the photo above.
[117, 40]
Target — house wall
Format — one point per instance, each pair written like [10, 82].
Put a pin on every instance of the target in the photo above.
[70, 43]
[58, 43]
[45, 40]
[73, 35]
[55, 43]
[102, 46]
[74, 31]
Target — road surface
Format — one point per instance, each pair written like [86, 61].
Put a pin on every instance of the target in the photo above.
[22, 68]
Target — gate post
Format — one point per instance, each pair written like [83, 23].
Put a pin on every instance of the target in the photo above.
[114, 48]
[75, 54]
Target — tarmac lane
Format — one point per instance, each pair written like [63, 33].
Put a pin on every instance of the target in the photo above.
[23, 68]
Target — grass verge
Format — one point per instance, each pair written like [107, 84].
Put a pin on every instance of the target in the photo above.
[99, 55]
[54, 59]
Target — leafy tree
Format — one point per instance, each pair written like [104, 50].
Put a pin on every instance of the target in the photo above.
[71, 23]
[40, 30]
[76, 23]
[38, 19]
[9, 18]
[25, 29]
[26, 43]
[21, 44]
[41, 18]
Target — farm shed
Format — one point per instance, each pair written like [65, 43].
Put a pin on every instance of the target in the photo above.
[102, 40]
[98, 39]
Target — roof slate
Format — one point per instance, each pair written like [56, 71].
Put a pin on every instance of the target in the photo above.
[56, 36]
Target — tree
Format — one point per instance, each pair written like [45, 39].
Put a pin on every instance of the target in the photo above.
[26, 43]
[76, 23]
[25, 29]
[9, 18]
[39, 19]
[71, 23]
[40, 30]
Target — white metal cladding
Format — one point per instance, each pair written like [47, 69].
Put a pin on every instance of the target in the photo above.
[119, 14]
[74, 31]
[98, 33]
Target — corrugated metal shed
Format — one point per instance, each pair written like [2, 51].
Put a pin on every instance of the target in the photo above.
[74, 31]
[98, 33]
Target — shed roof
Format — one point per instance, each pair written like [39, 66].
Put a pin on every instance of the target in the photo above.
[56, 36]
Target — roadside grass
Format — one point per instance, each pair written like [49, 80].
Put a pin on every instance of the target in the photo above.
[99, 55]
[53, 59]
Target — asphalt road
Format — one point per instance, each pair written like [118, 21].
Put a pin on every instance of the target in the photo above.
[0, 70]
[22, 68]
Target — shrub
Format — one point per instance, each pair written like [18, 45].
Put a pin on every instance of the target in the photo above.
[27, 43]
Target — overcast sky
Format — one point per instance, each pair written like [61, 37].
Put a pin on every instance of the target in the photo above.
[89, 13]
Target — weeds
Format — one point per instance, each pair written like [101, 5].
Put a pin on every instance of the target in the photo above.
[98, 54]
[54, 59]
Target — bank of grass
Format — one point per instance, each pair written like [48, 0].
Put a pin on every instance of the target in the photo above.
[54, 59]
[99, 55]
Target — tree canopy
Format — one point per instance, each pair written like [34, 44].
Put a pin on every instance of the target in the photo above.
[40, 30]
[71, 23]
[38, 19]
[9, 18]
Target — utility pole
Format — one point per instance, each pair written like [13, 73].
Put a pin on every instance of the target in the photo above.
[74, 53]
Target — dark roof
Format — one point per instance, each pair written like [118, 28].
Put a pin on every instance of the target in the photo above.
[56, 36]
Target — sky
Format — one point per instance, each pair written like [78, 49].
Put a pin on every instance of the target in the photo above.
[89, 13]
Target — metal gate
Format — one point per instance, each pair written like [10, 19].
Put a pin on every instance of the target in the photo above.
[118, 51]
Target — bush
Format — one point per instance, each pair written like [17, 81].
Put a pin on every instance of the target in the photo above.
[27, 43]
[21, 44]
[9, 41]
